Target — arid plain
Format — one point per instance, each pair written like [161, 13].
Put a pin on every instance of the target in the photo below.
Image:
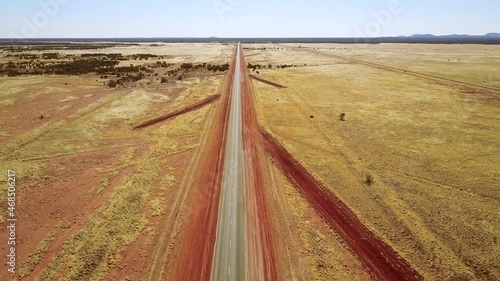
[415, 158]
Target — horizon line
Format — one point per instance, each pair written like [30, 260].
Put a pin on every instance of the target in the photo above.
[254, 37]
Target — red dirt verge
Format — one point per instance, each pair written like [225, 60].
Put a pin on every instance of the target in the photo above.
[262, 252]
[268, 82]
[195, 261]
[379, 257]
[190, 108]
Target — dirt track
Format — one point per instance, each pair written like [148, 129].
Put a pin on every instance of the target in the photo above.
[267, 82]
[409, 72]
[193, 107]
[379, 257]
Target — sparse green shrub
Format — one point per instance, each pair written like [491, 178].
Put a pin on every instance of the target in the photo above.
[186, 66]
[342, 116]
[369, 180]
[112, 84]
[50, 56]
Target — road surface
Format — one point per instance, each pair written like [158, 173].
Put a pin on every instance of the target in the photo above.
[230, 248]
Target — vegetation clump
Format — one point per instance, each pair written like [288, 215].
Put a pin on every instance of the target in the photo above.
[187, 66]
[369, 180]
[50, 56]
[80, 67]
[342, 116]
[143, 56]
[112, 84]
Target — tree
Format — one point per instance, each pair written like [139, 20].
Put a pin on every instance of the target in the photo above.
[369, 180]
[186, 65]
[342, 116]
[112, 84]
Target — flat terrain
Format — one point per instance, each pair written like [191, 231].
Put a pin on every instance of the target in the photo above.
[93, 193]
[119, 151]
[416, 157]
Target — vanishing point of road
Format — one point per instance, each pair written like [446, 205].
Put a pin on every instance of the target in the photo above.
[230, 247]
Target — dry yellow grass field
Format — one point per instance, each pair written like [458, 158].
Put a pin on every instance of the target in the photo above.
[93, 191]
[421, 121]
[431, 146]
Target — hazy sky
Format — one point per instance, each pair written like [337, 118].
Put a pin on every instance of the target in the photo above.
[245, 18]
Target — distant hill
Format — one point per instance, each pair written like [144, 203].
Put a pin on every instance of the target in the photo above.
[422, 36]
[455, 36]
[490, 38]
[493, 35]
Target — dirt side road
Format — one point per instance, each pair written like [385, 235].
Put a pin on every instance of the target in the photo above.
[379, 257]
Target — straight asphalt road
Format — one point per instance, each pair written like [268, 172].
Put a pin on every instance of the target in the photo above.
[230, 248]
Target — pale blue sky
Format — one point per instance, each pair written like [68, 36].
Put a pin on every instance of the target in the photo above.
[244, 18]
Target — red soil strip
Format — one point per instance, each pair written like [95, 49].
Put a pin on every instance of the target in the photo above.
[268, 82]
[190, 108]
[195, 260]
[379, 257]
[262, 253]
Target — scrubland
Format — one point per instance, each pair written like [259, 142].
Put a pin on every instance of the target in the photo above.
[417, 156]
[92, 191]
